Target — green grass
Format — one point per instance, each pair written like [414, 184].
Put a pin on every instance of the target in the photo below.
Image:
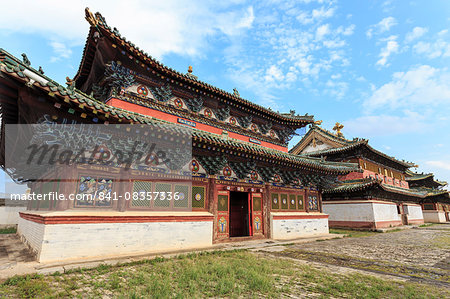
[442, 241]
[416, 272]
[352, 233]
[9, 230]
[211, 274]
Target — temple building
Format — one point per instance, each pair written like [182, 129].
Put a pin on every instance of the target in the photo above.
[436, 206]
[378, 196]
[227, 162]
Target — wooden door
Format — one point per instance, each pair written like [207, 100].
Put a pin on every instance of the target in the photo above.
[256, 213]
[223, 202]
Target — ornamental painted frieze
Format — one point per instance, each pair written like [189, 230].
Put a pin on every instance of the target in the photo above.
[162, 93]
[223, 113]
[195, 104]
[245, 121]
[265, 127]
[116, 78]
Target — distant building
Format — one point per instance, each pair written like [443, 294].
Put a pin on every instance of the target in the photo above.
[9, 210]
[436, 205]
[376, 197]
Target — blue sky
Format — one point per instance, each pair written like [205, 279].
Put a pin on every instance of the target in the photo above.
[382, 68]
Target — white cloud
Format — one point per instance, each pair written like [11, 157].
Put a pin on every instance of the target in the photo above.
[323, 13]
[415, 33]
[316, 15]
[421, 86]
[390, 48]
[439, 164]
[335, 88]
[439, 48]
[322, 31]
[383, 26]
[274, 74]
[346, 31]
[158, 27]
[61, 51]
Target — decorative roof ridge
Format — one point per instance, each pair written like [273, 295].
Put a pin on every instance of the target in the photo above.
[364, 184]
[414, 176]
[353, 185]
[319, 129]
[418, 177]
[98, 21]
[363, 142]
[327, 134]
[80, 97]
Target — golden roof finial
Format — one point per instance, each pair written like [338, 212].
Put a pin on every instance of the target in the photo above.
[338, 127]
[190, 69]
[90, 17]
[318, 122]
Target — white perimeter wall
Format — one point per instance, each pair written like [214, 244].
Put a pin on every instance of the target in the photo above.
[434, 216]
[361, 212]
[54, 242]
[285, 229]
[9, 216]
[385, 212]
[415, 212]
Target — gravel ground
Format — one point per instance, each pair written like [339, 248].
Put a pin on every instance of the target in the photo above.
[427, 247]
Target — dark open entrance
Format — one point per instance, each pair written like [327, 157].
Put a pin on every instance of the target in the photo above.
[239, 214]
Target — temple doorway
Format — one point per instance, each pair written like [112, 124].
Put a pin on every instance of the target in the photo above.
[240, 213]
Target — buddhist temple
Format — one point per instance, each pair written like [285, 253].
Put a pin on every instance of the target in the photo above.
[436, 205]
[383, 194]
[224, 169]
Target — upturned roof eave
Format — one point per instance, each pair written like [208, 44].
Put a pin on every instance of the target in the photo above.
[158, 66]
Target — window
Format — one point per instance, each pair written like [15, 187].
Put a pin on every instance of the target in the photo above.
[300, 201]
[292, 202]
[96, 191]
[284, 201]
[428, 206]
[313, 204]
[198, 197]
[275, 201]
[141, 188]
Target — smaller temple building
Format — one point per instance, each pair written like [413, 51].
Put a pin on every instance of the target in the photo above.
[436, 205]
[377, 197]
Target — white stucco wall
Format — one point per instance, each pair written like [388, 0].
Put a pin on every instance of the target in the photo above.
[385, 212]
[285, 229]
[74, 241]
[361, 212]
[414, 212]
[433, 216]
[9, 216]
[32, 233]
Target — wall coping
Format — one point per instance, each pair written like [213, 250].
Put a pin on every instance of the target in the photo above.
[71, 217]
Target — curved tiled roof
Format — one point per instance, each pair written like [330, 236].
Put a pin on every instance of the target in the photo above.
[365, 184]
[13, 67]
[415, 177]
[143, 58]
[352, 146]
[326, 134]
